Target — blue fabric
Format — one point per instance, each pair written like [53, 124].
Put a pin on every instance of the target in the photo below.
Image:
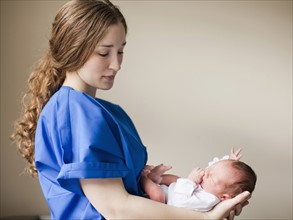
[77, 137]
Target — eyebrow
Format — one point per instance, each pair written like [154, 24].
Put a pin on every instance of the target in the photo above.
[110, 45]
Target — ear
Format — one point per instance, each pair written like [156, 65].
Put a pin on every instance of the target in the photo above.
[225, 196]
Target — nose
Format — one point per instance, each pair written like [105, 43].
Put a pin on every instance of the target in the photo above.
[115, 63]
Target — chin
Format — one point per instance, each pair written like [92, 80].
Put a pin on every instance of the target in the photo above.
[105, 86]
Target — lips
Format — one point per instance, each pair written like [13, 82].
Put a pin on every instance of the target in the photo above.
[110, 77]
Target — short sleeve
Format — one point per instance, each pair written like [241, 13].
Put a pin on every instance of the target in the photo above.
[90, 142]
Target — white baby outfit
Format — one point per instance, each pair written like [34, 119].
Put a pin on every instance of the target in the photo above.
[188, 194]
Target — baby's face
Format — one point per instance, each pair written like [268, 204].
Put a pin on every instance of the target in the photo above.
[217, 177]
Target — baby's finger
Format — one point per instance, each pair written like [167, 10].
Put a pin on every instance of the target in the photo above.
[238, 151]
[149, 167]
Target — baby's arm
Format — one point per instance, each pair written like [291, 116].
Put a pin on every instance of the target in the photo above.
[151, 188]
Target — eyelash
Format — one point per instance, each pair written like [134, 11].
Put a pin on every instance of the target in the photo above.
[103, 55]
[106, 54]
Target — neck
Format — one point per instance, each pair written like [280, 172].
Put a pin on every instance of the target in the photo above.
[74, 81]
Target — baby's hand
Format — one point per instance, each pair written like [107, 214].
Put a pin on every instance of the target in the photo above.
[147, 169]
[196, 175]
[156, 172]
[235, 155]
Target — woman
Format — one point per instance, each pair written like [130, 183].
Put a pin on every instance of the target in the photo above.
[86, 151]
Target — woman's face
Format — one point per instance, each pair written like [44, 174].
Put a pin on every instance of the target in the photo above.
[100, 69]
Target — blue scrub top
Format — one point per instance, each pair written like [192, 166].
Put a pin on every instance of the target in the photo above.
[77, 137]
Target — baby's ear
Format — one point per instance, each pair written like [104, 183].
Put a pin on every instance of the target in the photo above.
[225, 196]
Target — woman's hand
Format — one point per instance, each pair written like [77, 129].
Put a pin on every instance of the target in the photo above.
[229, 208]
[237, 211]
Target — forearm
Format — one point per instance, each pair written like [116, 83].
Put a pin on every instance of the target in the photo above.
[113, 202]
[167, 179]
[140, 208]
[110, 198]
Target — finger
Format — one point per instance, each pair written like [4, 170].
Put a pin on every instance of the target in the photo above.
[238, 151]
[201, 173]
[161, 168]
[165, 168]
[238, 157]
[223, 208]
[232, 150]
[231, 215]
[239, 201]
[238, 209]
[240, 198]
[245, 204]
[168, 167]
[149, 167]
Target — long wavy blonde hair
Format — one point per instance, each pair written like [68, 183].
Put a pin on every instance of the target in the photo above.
[78, 27]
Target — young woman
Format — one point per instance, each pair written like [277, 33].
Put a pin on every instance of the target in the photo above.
[86, 151]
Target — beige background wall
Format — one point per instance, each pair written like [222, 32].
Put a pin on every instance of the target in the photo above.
[198, 78]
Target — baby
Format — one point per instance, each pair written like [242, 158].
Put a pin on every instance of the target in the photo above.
[203, 189]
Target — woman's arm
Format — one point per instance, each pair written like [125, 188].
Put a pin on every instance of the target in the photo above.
[113, 202]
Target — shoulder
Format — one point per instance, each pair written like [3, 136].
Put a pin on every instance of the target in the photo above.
[114, 109]
[67, 99]
[109, 105]
[68, 104]
[69, 107]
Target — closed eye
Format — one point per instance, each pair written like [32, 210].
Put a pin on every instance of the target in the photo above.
[103, 54]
